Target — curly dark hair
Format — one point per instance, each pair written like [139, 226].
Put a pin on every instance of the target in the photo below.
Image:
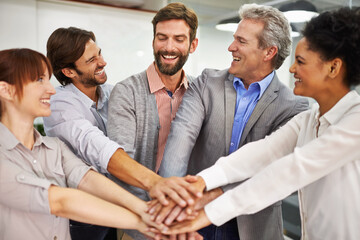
[336, 34]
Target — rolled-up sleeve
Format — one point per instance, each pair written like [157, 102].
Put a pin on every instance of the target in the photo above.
[87, 141]
[74, 168]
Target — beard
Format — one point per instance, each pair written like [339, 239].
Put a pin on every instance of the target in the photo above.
[168, 69]
[88, 79]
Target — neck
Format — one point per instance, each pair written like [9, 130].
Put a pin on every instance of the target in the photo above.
[170, 82]
[257, 77]
[328, 100]
[20, 126]
[89, 91]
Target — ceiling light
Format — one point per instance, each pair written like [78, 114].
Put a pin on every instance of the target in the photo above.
[299, 11]
[229, 24]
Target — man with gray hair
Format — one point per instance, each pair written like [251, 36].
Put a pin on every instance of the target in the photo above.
[224, 110]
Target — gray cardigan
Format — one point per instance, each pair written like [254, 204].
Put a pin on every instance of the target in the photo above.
[133, 122]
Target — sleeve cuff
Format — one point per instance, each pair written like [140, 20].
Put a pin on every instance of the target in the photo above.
[108, 151]
[214, 177]
[221, 210]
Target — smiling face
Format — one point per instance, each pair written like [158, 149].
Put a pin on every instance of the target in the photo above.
[35, 101]
[248, 58]
[90, 67]
[172, 46]
[309, 70]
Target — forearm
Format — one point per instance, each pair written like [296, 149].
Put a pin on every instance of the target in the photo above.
[83, 207]
[98, 185]
[122, 166]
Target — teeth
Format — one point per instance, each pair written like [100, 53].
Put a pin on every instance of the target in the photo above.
[169, 57]
[298, 80]
[45, 101]
[236, 59]
[100, 72]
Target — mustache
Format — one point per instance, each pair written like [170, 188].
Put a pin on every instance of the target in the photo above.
[169, 53]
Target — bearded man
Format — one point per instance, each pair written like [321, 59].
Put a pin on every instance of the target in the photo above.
[142, 106]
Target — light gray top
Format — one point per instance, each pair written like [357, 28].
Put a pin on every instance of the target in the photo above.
[77, 121]
[25, 177]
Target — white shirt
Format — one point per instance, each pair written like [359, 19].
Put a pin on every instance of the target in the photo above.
[77, 121]
[324, 164]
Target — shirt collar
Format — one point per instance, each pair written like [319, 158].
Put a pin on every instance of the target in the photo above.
[85, 99]
[9, 141]
[155, 82]
[263, 84]
[341, 107]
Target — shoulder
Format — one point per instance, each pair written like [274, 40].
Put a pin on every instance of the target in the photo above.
[135, 86]
[136, 81]
[215, 73]
[212, 76]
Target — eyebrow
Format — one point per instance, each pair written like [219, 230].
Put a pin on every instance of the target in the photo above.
[299, 57]
[237, 37]
[179, 35]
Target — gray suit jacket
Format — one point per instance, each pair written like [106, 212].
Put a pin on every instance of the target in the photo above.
[201, 132]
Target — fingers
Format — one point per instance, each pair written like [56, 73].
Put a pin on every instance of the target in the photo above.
[191, 178]
[198, 236]
[173, 215]
[182, 236]
[164, 212]
[181, 190]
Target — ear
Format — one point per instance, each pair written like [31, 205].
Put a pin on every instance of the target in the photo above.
[270, 53]
[335, 67]
[7, 91]
[194, 45]
[69, 72]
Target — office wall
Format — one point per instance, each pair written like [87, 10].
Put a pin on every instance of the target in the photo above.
[124, 35]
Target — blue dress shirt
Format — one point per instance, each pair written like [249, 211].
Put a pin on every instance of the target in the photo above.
[246, 101]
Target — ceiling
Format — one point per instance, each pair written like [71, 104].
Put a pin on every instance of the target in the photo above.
[212, 11]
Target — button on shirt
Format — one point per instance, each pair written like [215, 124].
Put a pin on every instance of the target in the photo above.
[318, 155]
[167, 105]
[25, 177]
[77, 121]
[246, 100]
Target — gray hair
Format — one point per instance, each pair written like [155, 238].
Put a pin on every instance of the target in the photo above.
[276, 29]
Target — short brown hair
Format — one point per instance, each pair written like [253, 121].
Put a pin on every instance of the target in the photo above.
[20, 66]
[177, 11]
[64, 47]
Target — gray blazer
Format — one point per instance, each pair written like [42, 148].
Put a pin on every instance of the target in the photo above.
[201, 132]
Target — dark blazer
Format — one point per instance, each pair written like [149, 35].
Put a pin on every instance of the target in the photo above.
[201, 131]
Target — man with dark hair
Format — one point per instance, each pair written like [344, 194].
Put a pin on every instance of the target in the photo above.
[142, 106]
[79, 117]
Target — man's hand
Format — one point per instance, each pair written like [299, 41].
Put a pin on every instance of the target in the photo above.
[172, 211]
[199, 222]
[177, 189]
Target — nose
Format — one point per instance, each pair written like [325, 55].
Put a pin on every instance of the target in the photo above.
[232, 47]
[169, 45]
[102, 62]
[50, 88]
[292, 68]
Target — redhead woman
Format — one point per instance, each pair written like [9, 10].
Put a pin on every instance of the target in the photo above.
[316, 153]
[42, 183]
